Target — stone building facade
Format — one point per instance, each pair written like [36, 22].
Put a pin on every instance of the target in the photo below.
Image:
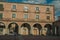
[26, 19]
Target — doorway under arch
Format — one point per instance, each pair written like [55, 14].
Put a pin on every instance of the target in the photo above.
[37, 29]
[49, 29]
[2, 26]
[13, 28]
[25, 27]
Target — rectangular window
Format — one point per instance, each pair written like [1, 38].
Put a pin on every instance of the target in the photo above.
[48, 17]
[37, 8]
[47, 9]
[13, 15]
[25, 16]
[14, 7]
[1, 15]
[1, 7]
[37, 16]
[25, 8]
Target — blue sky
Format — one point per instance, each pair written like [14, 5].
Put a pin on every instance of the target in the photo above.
[56, 3]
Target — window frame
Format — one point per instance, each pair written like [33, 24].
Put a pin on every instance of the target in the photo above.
[14, 7]
[25, 16]
[37, 16]
[14, 15]
[48, 18]
[37, 8]
[26, 8]
[47, 9]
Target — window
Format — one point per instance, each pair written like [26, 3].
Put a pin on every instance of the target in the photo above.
[37, 16]
[25, 16]
[13, 15]
[25, 8]
[14, 7]
[48, 17]
[1, 15]
[1, 7]
[47, 9]
[37, 8]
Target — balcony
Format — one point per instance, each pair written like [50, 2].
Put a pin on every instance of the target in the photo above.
[25, 20]
[37, 11]
[26, 11]
[13, 10]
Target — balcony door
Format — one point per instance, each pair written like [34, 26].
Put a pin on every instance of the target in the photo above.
[1, 15]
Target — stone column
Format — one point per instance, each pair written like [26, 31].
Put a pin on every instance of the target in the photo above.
[19, 30]
[6, 30]
[31, 30]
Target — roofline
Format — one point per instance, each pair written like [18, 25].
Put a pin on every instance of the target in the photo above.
[29, 3]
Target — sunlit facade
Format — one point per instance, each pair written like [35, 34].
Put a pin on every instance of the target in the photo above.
[26, 19]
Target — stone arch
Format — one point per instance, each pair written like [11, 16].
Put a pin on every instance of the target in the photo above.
[37, 28]
[2, 26]
[13, 28]
[49, 29]
[25, 27]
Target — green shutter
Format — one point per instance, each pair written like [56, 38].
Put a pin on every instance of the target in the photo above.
[1, 15]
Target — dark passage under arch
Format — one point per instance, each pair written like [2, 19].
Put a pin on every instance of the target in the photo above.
[49, 29]
[27, 26]
[2, 26]
[38, 26]
[13, 28]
